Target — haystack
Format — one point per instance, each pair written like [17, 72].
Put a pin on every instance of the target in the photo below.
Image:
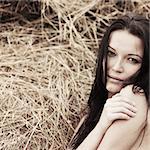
[48, 54]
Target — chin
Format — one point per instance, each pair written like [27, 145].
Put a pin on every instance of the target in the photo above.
[113, 88]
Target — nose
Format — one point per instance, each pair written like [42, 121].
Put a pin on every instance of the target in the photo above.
[118, 66]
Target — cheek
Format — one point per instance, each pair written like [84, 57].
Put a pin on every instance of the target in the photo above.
[110, 63]
[132, 70]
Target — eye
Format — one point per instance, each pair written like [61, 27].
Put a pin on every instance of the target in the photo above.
[133, 60]
[111, 53]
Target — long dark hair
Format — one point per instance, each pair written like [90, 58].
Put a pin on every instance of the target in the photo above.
[138, 26]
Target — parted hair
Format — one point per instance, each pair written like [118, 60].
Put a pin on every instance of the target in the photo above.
[138, 26]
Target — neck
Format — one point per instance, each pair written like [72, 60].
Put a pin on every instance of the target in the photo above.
[110, 94]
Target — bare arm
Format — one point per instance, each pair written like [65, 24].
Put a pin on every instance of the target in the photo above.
[112, 111]
[91, 142]
[122, 134]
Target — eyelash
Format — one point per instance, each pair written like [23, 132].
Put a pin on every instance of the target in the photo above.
[111, 54]
[131, 60]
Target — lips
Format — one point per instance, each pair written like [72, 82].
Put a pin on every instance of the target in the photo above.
[115, 79]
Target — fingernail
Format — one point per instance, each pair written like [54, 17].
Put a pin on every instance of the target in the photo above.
[134, 114]
[128, 117]
[135, 110]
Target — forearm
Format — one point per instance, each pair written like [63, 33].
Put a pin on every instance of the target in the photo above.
[92, 141]
[121, 131]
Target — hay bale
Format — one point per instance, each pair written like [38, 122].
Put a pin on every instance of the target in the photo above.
[47, 64]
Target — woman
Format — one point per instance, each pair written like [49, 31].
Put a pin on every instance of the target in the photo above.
[119, 99]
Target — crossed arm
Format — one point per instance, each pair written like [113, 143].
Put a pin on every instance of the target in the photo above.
[121, 134]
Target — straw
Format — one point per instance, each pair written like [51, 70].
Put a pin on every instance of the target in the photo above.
[48, 54]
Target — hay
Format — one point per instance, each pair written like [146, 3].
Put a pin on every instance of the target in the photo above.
[47, 60]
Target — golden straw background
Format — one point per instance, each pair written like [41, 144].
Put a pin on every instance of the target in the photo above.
[47, 64]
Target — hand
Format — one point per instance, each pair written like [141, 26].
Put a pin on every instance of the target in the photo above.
[117, 107]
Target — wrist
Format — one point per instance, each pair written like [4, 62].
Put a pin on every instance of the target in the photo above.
[103, 126]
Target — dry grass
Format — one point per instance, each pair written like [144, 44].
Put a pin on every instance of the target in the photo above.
[47, 60]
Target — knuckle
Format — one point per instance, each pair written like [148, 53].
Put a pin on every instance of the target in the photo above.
[121, 115]
[124, 109]
[106, 104]
[110, 117]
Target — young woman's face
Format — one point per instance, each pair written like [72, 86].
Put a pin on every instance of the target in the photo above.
[124, 59]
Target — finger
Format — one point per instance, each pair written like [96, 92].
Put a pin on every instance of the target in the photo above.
[123, 110]
[128, 101]
[118, 116]
[124, 104]
[120, 98]
[116, 95]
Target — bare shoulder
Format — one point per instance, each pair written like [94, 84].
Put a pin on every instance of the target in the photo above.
[127, 130]
[136, 97]
[140, 101]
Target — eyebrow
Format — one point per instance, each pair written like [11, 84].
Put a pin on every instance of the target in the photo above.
[128, 54]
